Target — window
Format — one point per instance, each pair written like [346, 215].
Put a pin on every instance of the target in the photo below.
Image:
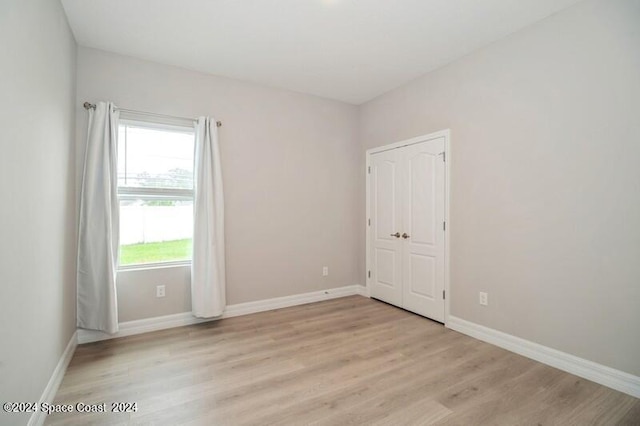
[155, 190]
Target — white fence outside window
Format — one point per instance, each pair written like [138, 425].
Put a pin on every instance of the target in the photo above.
[148, 224]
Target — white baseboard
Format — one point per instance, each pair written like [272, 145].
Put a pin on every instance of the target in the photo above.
[607, 376]
[50, 390]
[362, 290]
[146, 325]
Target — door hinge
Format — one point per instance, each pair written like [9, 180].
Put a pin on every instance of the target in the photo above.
[444, 226]
[369, 222]
[369, 274]
[443, 294]
[444, 156]
[369, 169]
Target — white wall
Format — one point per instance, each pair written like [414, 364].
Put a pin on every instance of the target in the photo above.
[545, 200]
[37, 221]
[290, 169]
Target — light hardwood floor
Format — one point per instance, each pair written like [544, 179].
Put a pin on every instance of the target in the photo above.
[345, 361]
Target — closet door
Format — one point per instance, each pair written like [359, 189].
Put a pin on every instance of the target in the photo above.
[423, 212]
[386, 221]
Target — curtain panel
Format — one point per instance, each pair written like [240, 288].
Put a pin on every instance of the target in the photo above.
[208, 297]
[98, 230]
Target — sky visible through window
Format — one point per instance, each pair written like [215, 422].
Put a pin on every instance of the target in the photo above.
[157, 158]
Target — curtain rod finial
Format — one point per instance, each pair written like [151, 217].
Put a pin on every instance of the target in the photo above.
[87, 105]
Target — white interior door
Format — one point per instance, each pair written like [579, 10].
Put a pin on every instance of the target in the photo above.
[423, 213]
[386, 220]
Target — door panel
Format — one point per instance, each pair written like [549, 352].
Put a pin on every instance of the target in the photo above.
[423, 218]
[386, 266]
[386, 218]
[420, 267]
[385, 175]
[421, 198]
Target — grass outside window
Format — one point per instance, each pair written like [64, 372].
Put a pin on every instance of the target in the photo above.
[164, 251]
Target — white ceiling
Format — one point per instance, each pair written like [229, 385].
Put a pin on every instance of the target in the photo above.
[349, 50]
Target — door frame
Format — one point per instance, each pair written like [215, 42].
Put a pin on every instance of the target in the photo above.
[446, 134]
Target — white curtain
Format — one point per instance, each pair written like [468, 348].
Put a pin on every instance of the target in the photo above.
[98, 227]
[207, 268]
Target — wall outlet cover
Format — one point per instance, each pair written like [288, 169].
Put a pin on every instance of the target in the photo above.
[484, 298]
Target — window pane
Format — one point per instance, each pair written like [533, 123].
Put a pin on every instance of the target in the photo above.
[155, 157]
[154, 231]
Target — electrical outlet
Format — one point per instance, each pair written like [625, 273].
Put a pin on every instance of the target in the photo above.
[484, 298]
[325, 271]
[160, 290]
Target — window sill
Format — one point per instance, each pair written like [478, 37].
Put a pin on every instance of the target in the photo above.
[159, 265]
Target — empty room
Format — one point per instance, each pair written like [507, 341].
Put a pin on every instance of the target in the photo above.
[320, 212]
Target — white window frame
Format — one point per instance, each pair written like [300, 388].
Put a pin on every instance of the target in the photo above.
[142, 193]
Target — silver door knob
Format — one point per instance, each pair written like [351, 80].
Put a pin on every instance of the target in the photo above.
[405, 235]
[397, 235]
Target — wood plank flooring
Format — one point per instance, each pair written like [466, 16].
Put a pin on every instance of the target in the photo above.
[348, 361]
